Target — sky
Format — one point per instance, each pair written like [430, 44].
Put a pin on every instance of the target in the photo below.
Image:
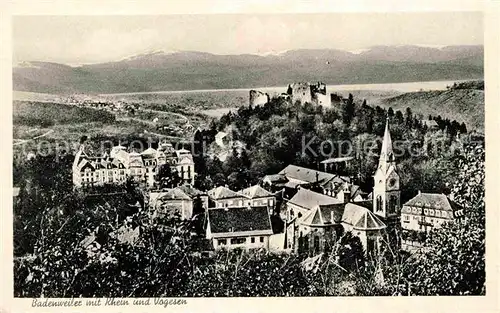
[93, 39]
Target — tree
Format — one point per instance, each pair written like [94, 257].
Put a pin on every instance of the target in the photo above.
[390, 112]
[349, 110]
[350, 252]
[168, 177]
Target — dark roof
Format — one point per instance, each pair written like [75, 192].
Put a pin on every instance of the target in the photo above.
[236, 220]
[433, 201]
[306, 174]
[308, 199]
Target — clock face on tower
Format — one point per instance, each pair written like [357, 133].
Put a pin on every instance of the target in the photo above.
[392, 182]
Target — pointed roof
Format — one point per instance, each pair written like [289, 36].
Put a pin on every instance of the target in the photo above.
[323, 215]
[174, 194]
[255, 191]
[149, 151]
[222, 192]
[386, 152]
[361, 218]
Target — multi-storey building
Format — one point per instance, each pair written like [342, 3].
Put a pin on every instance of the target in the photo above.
[115, 167]
[425, 212]
[239, 227]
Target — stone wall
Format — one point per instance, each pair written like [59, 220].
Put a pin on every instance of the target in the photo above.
[258, 98]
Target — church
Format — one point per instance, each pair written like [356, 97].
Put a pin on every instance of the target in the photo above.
[315, 221]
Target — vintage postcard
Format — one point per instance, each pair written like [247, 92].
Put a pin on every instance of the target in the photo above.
[161, 158]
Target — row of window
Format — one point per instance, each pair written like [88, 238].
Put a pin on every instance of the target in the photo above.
[110, 173]
[238, 241]
[429, 212]
[240, 203]
[407, 218]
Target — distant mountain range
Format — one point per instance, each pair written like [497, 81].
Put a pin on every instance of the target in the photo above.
[191, 70]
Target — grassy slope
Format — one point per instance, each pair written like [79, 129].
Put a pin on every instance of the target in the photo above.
[462, 105]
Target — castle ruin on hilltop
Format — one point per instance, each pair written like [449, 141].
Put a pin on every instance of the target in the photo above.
[311, 93]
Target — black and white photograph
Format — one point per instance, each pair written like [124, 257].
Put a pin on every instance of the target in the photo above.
[179, 156]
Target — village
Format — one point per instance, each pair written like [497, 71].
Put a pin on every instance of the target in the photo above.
[297, 210]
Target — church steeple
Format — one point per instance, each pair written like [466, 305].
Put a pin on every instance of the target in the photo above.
[386, 153]
[386, 192]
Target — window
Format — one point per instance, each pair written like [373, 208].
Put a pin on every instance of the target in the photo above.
[438, 213]
[393, 204]
[236, 241]
[431, 212]
[252, 240]
[370, 245]
[221, 242]
[261, 239]
[316, 244]
[379, 203]
[426, 211]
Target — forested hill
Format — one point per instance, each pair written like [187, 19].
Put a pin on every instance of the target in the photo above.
[280, 133]
[463, 103]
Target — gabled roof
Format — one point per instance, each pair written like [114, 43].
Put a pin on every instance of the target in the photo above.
[222, 192]
[255, 191]
[361, 218]
[191, 191]
[149, 152]
[323, 215]
[276, 178]
[237, 221]
[429, 123]
[433, 201]
[306, 174]
[309, 199]
[174, 194]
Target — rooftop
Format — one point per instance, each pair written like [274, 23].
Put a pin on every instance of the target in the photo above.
[433, 201]
[222, 192]
[238, 220]
[255, 191]
[309, 199]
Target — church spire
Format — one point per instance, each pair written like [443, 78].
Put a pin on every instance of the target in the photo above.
[386, 153]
